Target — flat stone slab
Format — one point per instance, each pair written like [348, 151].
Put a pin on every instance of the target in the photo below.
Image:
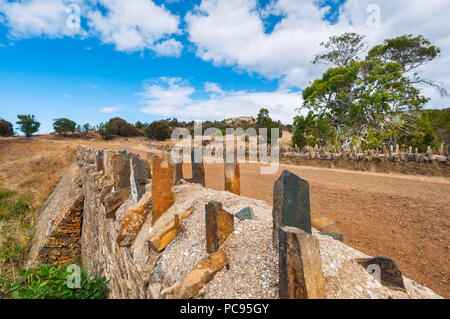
[245, 213]
[387, 271]
[219, 224]
[114, 200]
[201, 274]
[132, 222]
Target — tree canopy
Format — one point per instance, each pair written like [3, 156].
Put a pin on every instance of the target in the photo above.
[373, 100]
[64, 125]
[28, 124]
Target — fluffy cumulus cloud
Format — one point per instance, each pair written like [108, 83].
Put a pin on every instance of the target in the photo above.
[133, 25]
[130, 25]
[175, 97]
[232, 32]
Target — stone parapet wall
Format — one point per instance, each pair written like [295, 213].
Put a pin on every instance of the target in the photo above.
[404, 163]
[58, 226]
[94, 214]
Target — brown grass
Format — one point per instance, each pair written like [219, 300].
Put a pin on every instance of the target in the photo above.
[29, 171]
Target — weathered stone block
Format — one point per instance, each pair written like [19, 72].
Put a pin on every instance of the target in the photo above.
[300, 265]
[139, 174]
[99, 160]
[163, 237]
[178, 173]
[121, 170]
[107, 162]
[388, 271]
[219, 224]
[200, 275]
[132, 222]
[106, 189]
[198, 171]
[245, 213]
[291, 204]
[114, 200]
[232, 178]
[162, 186]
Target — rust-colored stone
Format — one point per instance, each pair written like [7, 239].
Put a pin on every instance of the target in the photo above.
[132, 222]
[232, 178]
[162, 186]
[300, 265]
[114, 200]
[200, 275]
[219, 224]
[163, 237]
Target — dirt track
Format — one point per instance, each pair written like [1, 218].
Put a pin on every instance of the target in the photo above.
[406, 218]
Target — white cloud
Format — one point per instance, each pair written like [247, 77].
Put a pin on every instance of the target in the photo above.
[111, 109]
[130, 25]
[135, 25]
[213, 88]
[169, 47]
[174, 97]
[231, 32]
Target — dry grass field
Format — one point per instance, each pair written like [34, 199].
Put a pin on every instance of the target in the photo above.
[402, 217]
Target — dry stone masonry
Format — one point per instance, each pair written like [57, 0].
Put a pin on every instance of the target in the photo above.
[148, 232]
[431, 163]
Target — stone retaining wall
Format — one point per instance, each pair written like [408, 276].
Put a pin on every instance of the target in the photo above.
[94, 214]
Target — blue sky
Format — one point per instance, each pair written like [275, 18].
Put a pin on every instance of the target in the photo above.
[205, 59]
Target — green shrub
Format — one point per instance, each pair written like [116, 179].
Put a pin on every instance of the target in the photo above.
[159, 130]
[64, 125]
[51, 282]
[107, 130]
[6, 128]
